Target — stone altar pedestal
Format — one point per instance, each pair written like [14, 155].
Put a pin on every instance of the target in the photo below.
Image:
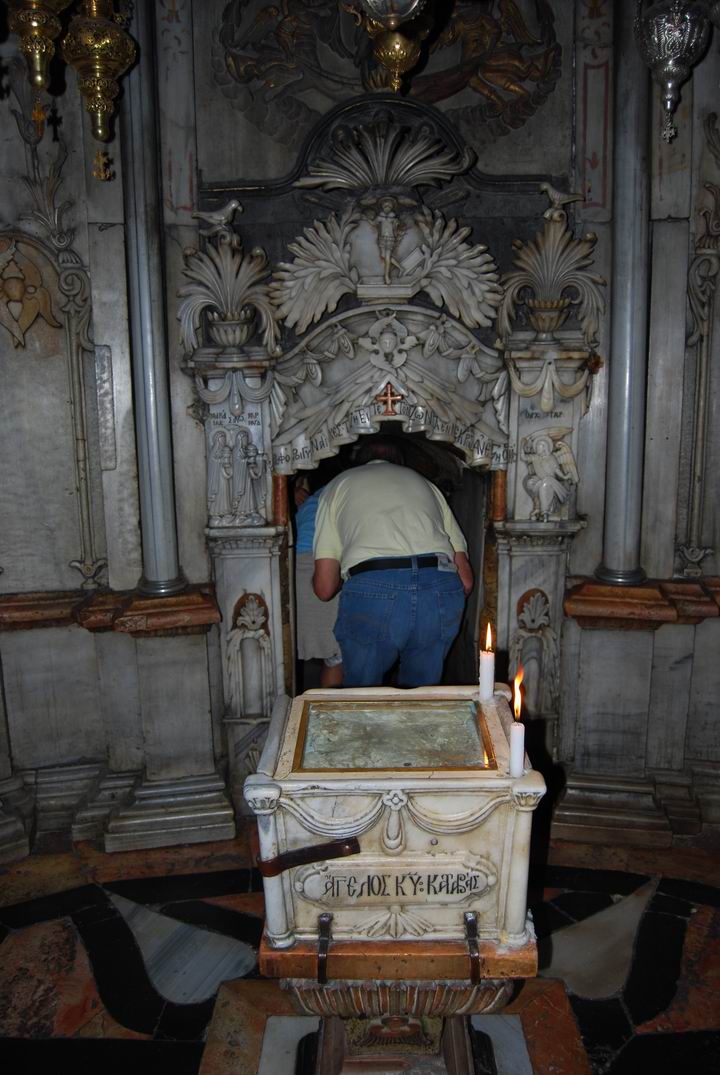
[394, 848]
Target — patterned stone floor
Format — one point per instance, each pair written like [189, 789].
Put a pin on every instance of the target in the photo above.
[145, 962]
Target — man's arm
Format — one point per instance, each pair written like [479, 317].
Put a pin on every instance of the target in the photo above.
[326, 578]
[465, 571]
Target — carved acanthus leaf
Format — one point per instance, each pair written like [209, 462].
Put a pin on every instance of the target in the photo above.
[457, 274]
[552, 273]
[320, 274]
[232, 286]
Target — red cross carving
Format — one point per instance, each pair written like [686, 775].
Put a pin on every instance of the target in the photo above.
[389, 396]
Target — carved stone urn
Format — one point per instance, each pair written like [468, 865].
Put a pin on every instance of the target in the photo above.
[232, 333]
[547, 315]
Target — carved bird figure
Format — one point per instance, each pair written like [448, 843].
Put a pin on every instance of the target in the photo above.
[558, 198]
[218, 220]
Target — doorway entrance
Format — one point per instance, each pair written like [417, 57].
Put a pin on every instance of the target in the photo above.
[465, 491]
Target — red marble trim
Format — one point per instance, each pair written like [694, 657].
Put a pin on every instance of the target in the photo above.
[597, 605]
[128, 611]
[398, 960]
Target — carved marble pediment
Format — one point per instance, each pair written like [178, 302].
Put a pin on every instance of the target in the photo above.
[420, 292]
[372, 364]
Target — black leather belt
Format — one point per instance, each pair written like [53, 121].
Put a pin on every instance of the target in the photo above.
[391, 563]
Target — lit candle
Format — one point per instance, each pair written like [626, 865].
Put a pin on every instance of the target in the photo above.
[487, 669]
[517, 731]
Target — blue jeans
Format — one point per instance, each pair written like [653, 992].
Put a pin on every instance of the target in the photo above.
[410, 613]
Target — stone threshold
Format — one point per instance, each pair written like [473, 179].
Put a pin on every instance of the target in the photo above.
[191, 612]
[597, 605]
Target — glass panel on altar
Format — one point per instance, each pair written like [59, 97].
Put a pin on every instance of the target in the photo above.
[386, 735]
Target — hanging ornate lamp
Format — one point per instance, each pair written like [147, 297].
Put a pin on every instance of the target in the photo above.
[671, 37]
[396, 51]
[100, 51]
[37, 23]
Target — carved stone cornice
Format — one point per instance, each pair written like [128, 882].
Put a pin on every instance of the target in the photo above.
[596, 605]
[129, 612]
[531, 534]
[245, 540]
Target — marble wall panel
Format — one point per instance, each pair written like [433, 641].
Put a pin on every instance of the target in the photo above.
[703, 729]
[116, 425]
[613, 701]
[38, 493]
[174, 44]
[594, 110]
[120, 700]
[666, 365]
[669, 695]
[53, 697]
[217, 696]
[706, 169]
[586, 548]
[188, 433]
[5, 761]
[670, 185]
[570, 643]
[175, 701]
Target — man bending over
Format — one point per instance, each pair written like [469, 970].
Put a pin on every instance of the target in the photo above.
[388, 538]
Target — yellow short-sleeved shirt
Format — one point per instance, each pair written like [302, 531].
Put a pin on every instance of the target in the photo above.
[381, 509]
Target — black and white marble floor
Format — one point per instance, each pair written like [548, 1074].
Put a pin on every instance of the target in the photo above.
[123, 974]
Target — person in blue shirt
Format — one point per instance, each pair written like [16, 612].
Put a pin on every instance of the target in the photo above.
[315, 618]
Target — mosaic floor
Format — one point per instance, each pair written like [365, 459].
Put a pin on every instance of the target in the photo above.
[145, 962]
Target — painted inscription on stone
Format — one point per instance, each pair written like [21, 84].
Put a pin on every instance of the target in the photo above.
[331, 885]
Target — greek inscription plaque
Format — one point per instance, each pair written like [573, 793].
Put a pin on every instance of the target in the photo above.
[435, 880]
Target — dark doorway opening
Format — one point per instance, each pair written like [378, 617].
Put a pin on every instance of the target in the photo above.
[466, 492]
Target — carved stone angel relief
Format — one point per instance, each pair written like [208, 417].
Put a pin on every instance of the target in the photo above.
[551, 471]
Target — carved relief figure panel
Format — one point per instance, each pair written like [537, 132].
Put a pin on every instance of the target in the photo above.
[492, 67]
[551, 472]
[237, 478]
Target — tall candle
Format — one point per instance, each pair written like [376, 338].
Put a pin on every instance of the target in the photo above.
[517, 731]
[487, 669]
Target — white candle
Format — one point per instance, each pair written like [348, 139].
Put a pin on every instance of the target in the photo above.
[517, 749]
[517, 731]
[487, 669]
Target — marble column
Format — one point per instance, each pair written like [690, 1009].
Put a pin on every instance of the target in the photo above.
[162, 573]
[15, 801]
[630, 296]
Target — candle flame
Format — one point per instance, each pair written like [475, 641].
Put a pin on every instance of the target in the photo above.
[517, 697]
[488, 639]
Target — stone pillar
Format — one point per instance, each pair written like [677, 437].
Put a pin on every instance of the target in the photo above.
[630, 282]
[263, 798]
[162, 573]
[15, 802]
[526, 793]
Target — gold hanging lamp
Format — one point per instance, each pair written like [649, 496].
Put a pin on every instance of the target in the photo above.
[100, 51]
[397, 50]
[37, 23]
